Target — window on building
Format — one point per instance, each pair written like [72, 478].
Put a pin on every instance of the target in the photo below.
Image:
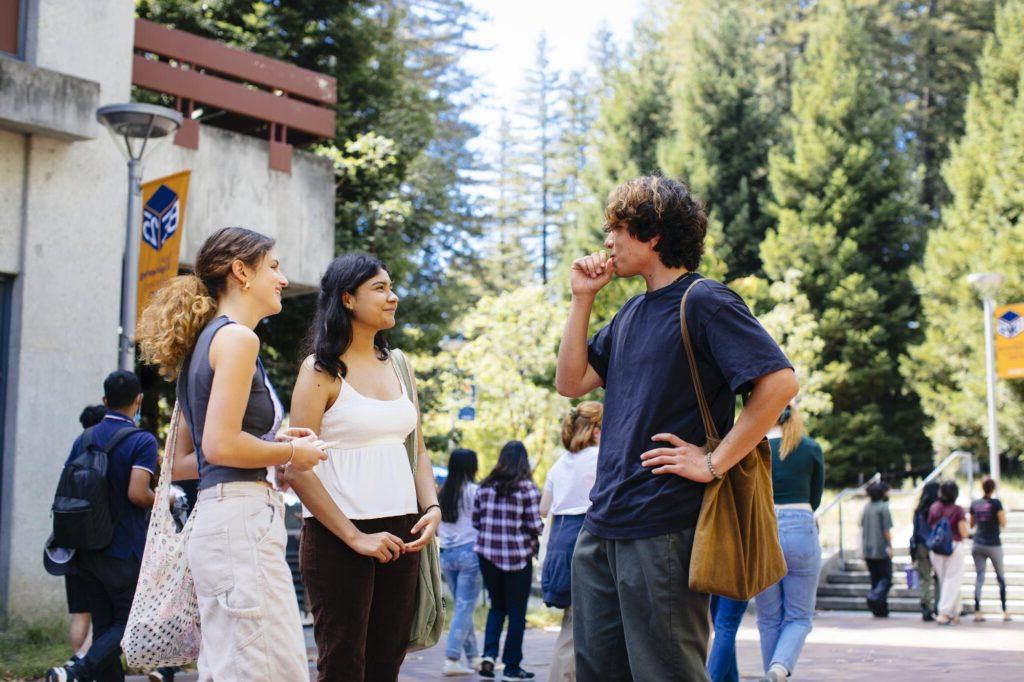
[11, 16]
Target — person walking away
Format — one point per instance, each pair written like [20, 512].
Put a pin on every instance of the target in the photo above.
[987, 517]
[920, 554]
[198, 330]
[876, 547]
[786, 609]
[506, 514]
[949, 568]
[634, 616]
[366, 514]
[107, 577]
[566, 498]
[459, 562]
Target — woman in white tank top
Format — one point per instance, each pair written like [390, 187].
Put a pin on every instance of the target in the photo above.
[366, 516]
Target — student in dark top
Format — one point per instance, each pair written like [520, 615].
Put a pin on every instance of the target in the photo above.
[876, 547]
[785, 610]
[950, 569]
[107, 577]
[987, 517]
[631, 562]
[199, 330]
[920, 554]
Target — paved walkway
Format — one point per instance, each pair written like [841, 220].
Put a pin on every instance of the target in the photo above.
[843, 646]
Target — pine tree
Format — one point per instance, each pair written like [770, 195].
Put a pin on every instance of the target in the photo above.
[723, 135]
[844, 224]
[982, 230]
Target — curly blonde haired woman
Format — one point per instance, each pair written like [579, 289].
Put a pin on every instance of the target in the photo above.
[199, 331]
[566, 498]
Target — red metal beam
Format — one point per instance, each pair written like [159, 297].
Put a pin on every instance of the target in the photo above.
[9, 25]
[224, 94]
[247, 66]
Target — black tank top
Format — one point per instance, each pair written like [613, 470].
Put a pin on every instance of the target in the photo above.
[193, 394]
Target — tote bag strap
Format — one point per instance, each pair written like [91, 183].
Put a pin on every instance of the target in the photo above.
[413, 441]
[702, 401]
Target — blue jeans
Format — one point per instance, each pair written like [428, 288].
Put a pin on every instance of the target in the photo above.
[726, 614]
[462, 573]
[784, 610]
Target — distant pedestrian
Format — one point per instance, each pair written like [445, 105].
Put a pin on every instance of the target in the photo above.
[876, 547]
[988, 516]
[785, 610]
[457, 537]
[949, 567]
[107, 576]
[566, 498]
[920, 554]
[507, 517]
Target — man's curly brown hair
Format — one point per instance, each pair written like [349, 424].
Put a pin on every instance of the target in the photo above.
[653, 206]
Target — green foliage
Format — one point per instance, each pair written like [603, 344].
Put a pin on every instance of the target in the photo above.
[846, 224]
[509, 354]
[723, 135]
[982, 230]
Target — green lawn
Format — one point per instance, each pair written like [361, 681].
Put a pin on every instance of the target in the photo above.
[27, 651]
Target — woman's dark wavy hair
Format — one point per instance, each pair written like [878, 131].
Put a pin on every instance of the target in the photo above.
[653, 206]
[331, 332]
[929, 493]
[461, 470]
[512, 469]
[949, 491]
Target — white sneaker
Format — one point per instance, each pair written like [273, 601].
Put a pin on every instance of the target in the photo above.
[452, 668]
[475, 662]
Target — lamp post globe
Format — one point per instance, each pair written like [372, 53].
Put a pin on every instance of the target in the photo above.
[132, 125]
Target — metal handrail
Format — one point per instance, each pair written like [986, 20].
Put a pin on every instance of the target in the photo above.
[846, 493]
[838, 502]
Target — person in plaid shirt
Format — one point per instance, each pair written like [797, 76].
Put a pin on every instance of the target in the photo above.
[506, 514]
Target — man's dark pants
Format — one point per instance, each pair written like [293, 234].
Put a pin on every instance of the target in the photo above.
[634, 616]
[881, 580]
[110, 586]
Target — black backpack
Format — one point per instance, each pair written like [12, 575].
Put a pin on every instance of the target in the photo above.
[81, 508]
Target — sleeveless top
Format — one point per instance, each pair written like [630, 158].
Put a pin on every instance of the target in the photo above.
[367, 471]
[262, 413]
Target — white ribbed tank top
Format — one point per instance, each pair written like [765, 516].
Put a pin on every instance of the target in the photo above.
[367, 474]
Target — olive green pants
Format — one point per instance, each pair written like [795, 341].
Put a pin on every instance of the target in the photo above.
[634, 616]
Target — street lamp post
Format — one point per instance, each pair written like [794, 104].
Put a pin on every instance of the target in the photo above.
[135, 124]
[987, 285]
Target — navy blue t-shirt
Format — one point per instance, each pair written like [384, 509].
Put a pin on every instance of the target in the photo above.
[985, 513]
[137, 451]
[649, 390]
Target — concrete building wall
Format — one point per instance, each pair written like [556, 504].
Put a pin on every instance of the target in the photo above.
[12, 172]
[231, 184]
[62, 213]
[66, 294]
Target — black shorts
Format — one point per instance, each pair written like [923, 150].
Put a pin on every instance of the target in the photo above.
[78, 597]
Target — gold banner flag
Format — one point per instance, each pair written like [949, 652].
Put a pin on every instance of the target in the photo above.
[163, 218]
[1010, 341]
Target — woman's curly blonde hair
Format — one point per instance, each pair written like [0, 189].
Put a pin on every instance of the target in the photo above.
[180, 309]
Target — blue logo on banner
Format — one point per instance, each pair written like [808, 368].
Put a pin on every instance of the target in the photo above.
[467, 414]
[160, 217]
[1010, 324]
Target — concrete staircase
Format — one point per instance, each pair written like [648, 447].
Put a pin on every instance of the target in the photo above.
[845, 588]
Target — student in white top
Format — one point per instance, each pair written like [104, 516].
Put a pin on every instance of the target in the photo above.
[566, 498]
[459, 562]
[366, 515]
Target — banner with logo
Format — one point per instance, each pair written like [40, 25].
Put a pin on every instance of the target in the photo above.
[1010, 341]
[163, 217]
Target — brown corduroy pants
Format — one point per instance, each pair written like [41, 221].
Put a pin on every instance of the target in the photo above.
[362, 609]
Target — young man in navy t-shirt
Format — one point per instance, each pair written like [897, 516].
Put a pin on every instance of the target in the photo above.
[634, 615]
[108, 576]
